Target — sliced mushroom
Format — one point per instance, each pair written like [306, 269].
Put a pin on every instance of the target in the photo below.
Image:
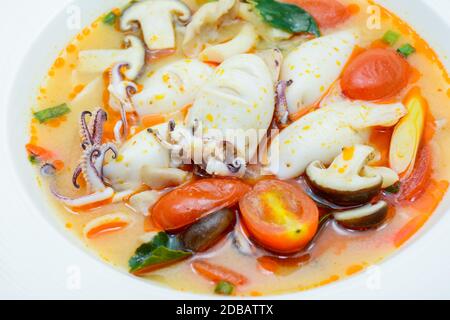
[208, 231]
[343, 182]
[362, 218]
[389, 176]
[142, 202]
[156, 18]
[205, 24]
[159, 178]
[242, 42]
[97, 61]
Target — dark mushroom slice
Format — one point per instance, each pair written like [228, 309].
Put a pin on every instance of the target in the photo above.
[363, 218]
[207, 231]
[344, 182]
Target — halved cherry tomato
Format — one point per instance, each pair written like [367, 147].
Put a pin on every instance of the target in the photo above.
[188, 203]
[279, 216]
[327, 13]
[375, 74]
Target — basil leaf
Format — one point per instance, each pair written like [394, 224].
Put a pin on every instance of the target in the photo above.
[224, 287]
[287, 17]
[52, 113]
[161, 249]
[406, 50]
[391, 37]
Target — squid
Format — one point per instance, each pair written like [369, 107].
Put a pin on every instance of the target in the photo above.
[314, 66]
[171, 87]
[321, 135]
[220, 132]
[91, 164]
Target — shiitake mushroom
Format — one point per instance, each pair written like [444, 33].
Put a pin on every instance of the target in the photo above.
[207, 231]
[348, 181]
[363, 218]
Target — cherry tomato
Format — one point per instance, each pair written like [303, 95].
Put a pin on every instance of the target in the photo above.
[188, 203]
[327, 13]
[279, 216]
[375, 74]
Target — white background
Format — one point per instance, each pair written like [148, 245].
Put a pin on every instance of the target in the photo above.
[20, 273]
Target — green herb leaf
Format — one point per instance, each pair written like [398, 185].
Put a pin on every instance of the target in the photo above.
[287, 17]
[52, 113]
[395, 188]
[224, 287]
[161, 249]
[110, 18]
[391, 37]
[33, 159]
[406, 50]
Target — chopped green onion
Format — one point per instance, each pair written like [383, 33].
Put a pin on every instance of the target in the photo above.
[406, 50]
[110, 18]
[391, 37]
[395, 188]
[224, 287]
[52, 113]
[33, 159]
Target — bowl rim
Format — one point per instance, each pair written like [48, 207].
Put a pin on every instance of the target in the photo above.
[328, 290]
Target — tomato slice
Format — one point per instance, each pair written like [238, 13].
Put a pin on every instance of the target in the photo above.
[279, 216]
[327, 13]
[188, 203]
[414, 184]
[375, 74]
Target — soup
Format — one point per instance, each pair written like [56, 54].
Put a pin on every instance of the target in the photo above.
[243, 148]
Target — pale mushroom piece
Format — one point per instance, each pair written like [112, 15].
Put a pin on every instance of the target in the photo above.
[321, 135]
[143, 201]
[243, 42]
[344, 181]
[363, 218]
[97, 61]
[247, 13]
[159, 178]
[156, 19]
[389, 176]
[314, 66]
[205, 24]
[92, 94]
[172, 87]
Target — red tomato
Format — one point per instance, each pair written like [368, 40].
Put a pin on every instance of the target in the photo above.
[188, 203]
[327, 13]
[413, 185]
[279, 216]
[375, 74]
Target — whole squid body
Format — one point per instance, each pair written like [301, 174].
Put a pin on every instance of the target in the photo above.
[321, 134]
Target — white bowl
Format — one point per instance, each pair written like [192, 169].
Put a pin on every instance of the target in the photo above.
[38, 261]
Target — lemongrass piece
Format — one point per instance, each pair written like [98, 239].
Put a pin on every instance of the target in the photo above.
[407, 134]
